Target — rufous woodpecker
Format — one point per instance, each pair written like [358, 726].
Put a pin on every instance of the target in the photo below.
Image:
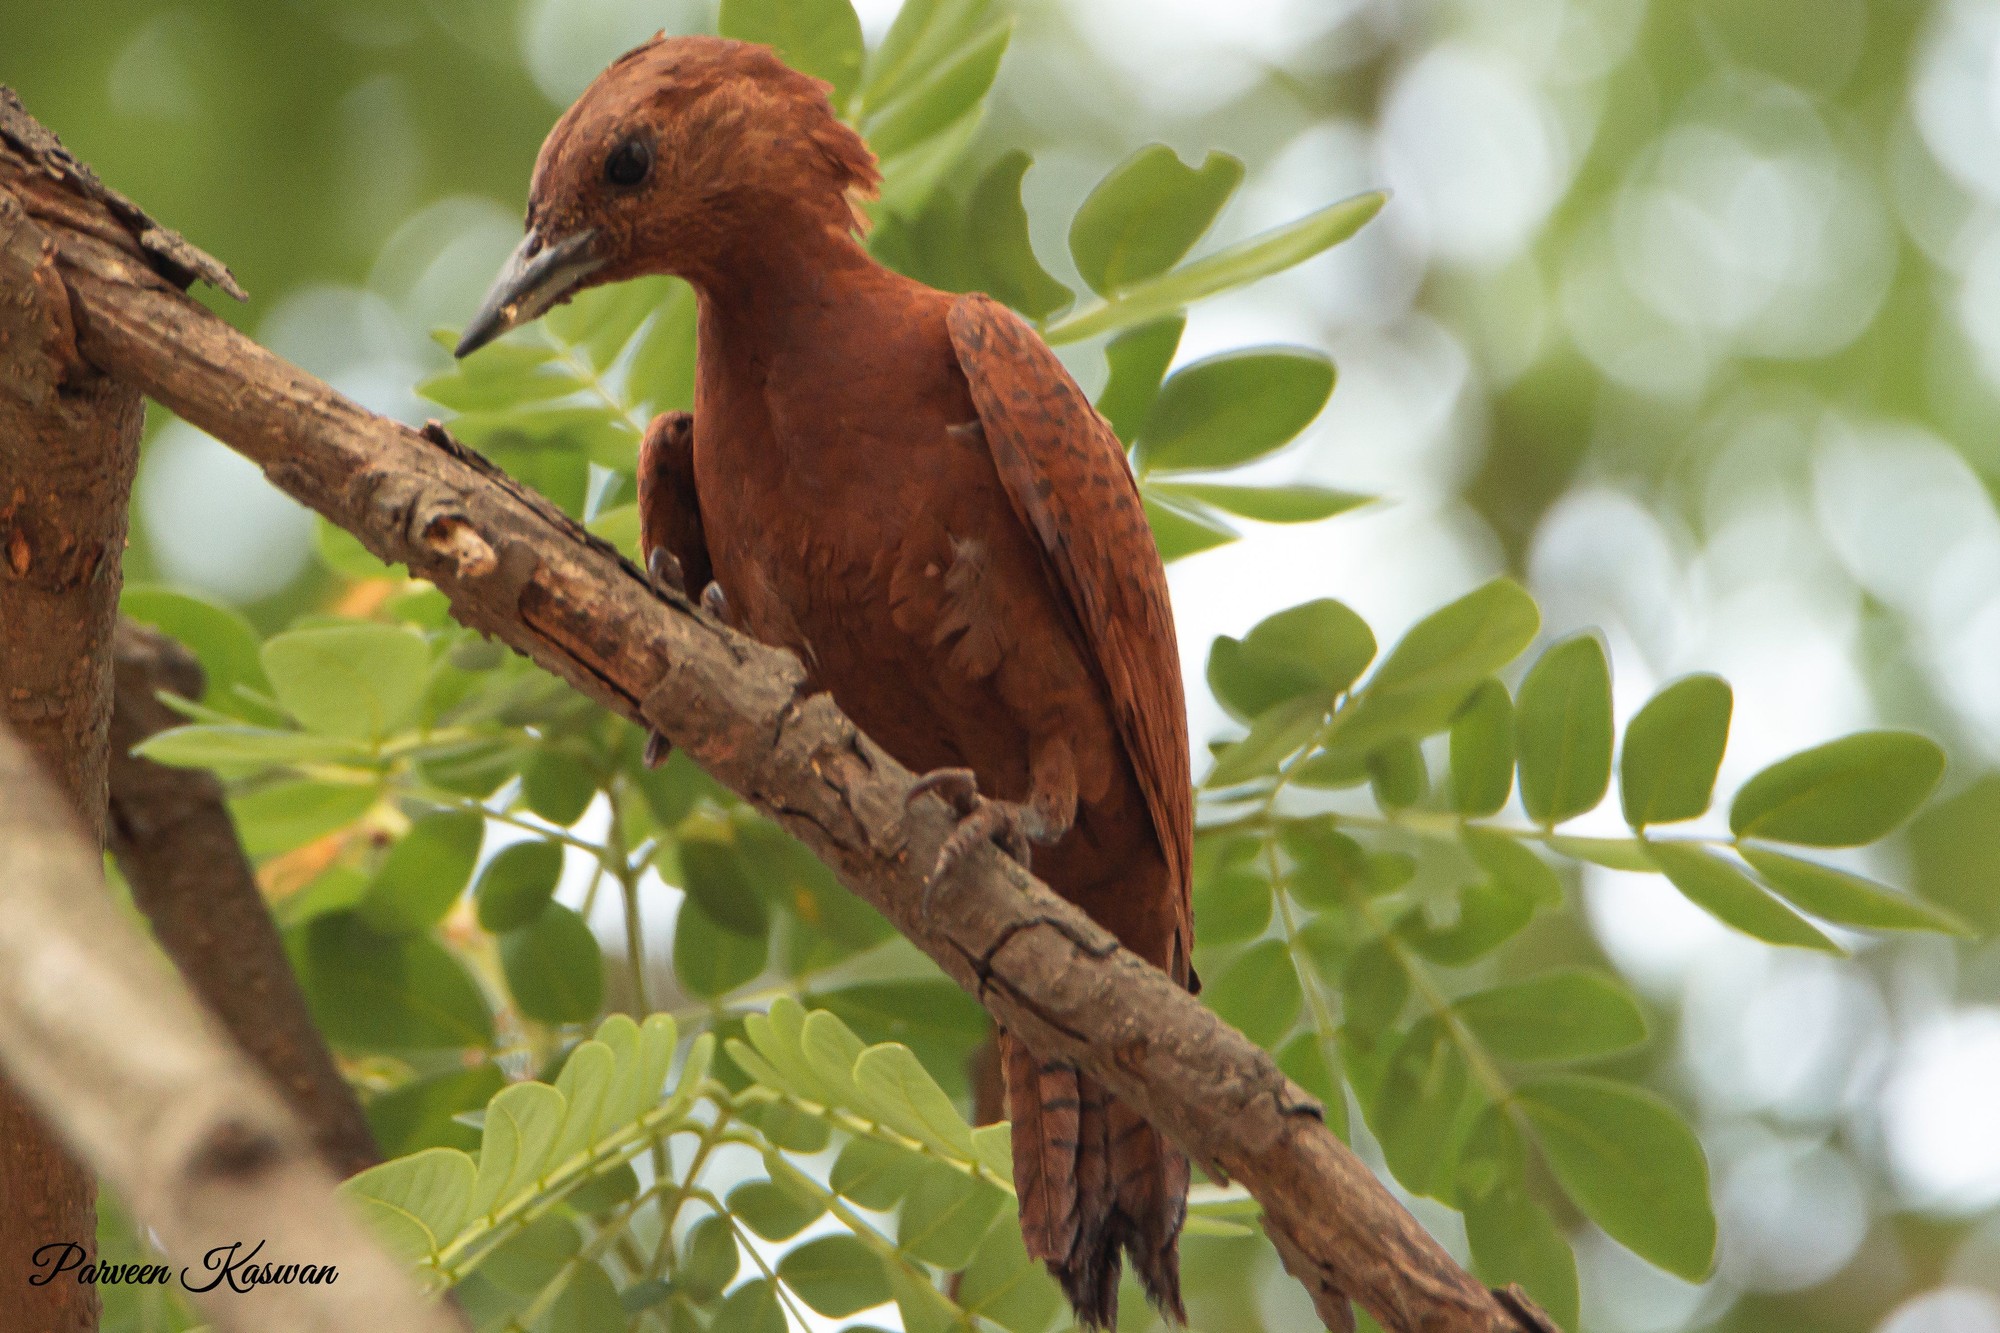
[905, 488]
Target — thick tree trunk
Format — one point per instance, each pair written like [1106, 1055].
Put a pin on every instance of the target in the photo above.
[69, 442]
[178, 848]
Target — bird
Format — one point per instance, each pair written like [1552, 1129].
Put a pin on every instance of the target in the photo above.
[905, 488]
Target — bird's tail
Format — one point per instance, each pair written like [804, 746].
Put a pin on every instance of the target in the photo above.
[1094, 1178]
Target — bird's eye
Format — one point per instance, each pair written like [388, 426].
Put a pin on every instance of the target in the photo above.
[629, 162]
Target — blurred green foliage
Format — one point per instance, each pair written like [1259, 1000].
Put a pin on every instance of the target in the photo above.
[1748, 225]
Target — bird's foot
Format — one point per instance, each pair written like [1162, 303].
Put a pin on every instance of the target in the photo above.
[664, 568]
[713, 602]
[1010, 825]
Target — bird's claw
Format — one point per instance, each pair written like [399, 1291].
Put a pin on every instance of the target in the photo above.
[1010, 825]
[664, 568]
[714, 602]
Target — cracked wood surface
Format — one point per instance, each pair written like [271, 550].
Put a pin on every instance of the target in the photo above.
[517, 568]
[177, 847]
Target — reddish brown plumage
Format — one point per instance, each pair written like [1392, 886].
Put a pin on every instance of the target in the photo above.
[905, 488]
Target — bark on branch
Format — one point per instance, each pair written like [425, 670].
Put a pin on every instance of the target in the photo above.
[517, 568]
[69, 443]
[177, 846]
[111, 1046]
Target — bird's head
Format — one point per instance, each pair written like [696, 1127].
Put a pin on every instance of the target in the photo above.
[683, 153]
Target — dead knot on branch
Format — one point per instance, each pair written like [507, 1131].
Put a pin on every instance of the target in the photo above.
[450, 536]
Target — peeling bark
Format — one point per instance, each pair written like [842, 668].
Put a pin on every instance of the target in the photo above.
[178, 849]
[536, 580]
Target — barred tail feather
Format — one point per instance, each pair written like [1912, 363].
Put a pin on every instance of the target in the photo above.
[1093, 1179]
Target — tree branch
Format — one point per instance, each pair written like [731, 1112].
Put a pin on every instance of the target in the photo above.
[69, 444]
[177, 846]
[114, 1049]
[519, 569]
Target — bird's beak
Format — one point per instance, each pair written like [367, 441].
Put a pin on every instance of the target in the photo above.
[537, 276]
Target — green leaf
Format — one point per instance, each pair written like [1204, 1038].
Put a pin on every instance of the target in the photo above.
[1316, 649]
[1513, 866]
[1488, 916]
[557, 785]
[1267, 504]
[875, 1174]
[221, 640]
[1138, 359]
[588, 1304]
[940, 96]
[946, 1215]
[1849, 900]
[416, 1204]
[1611, 853]
[1445, 656]
[1482, 751]
[1631, 1164]
[1562, 1015]
[710, 1259]
[772, 1210]
[1417, 1111]
[420, 1114]
[925, 31]
[817, 37]
[1673, 748]
[1180, 531]
[517, 884]
[586, 1082]
[342, 552]
[1004, 1285]
[601, 322]
[709, 959]
[1232, 895]
[1396, 771]
[376, 992]
[522, 1123]
[555, 971]
[835, 1275]
[662, 365]
[713, 875]
[1513, 1238]
[1841, 794]
[1223, 411]
[425, 872]
[1148, 213]
[1277, 734]
[900, 1093]
[1235, 266]
[997, 232]
[1374, 988]
[1563, 731]
[281, 817]
[751, 1308]
[1258, 993]
[1732, 897]
[359, 681]
[223, 746]
[533, 1258]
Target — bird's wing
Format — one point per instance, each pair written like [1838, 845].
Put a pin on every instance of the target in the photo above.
[1069, 481]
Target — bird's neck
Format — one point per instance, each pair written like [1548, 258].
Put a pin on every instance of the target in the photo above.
[774, 260]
